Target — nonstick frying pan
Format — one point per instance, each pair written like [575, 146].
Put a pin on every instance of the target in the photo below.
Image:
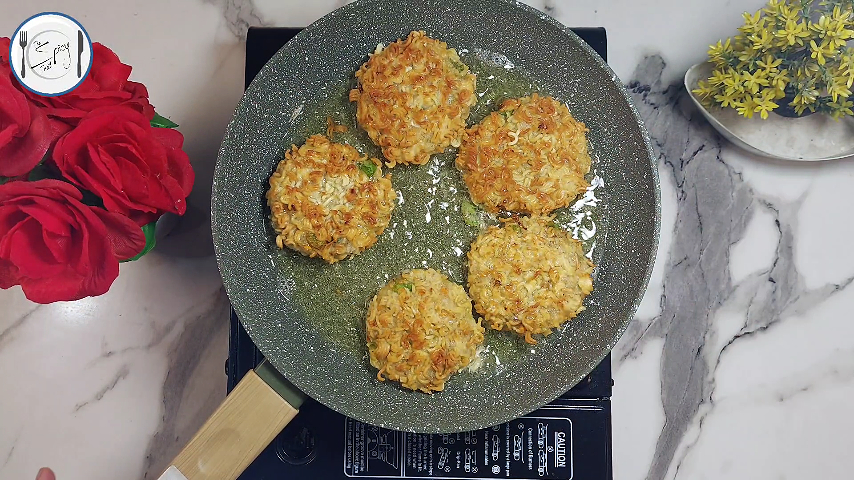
[307, 317]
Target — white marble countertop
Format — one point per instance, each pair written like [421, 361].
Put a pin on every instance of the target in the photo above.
[740, 363]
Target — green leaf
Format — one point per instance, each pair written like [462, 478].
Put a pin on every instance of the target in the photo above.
[37, 174]
[91, 199]
[313, 240]
[160, 121]
[470, 214]
[148, 230]
[370, 168]
[458, 65]
[506, 114]
[43, 170]
[407, 286]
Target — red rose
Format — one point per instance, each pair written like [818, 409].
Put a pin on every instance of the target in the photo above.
[4, 53]
[136, 169]
[56, 247]
[25, 133]
[106, 85]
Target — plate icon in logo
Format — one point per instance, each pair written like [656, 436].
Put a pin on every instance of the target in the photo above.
[50, 54]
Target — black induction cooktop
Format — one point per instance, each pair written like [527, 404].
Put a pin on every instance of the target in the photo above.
[568, 439]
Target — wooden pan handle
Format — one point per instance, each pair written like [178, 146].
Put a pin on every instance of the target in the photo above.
[237, 432]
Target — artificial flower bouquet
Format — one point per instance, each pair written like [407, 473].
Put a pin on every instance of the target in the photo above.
[84, 176]
[790, 58]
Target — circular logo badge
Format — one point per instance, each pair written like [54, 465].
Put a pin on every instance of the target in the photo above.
[50, 54]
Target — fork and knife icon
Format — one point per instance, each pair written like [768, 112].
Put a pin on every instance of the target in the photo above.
[22, 42]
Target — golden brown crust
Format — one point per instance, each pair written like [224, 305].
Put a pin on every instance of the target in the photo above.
[420, 330]
[413, 98]
[528, 276]
[323, 202]
[529, 157]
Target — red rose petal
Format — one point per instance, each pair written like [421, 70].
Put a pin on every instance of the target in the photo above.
[137, 127]
[29, 253]
[176, 195]
[25, 133]
[31, 190]
[120, 117]
[9, 217]
[21, 155]
[116, 139]
[8, 133]
[155, 164]
[71, 116]
[14, 107]
[181, 170]
[49, 205]
[59, 127]
[67, 286]
[144, 218]
[103, 167]
[114, 200]
[100, 250]
[101, 55]
[137, 182]
[90, 236]
[58, 245]
[6, 240]
[124, 235]
[170, 138]
[100, 99]
[129, 152]
[112, 77]
[4, 51]
[51, 218]
[9, 275]
[74, 150]
[70, 142]
[100, 281]
[142, 105]
[137, 90]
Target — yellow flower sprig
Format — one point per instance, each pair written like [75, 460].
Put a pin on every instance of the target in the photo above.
[791, 53]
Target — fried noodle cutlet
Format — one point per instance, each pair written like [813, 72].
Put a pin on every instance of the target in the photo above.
[528, 157]
[329, 201]
[420, 330]
[413, 98]
[528, 276]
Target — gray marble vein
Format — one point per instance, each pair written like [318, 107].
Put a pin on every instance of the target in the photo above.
[11, 450]
[239, 15]
[769, 299]
[160, 330]
[187, 406]
[832, 372]
[7, 333]
[780, 291]
[550, 7]
[122, 374]
[714, 206]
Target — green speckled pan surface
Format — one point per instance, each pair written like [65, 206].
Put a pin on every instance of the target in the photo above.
[307, 317]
